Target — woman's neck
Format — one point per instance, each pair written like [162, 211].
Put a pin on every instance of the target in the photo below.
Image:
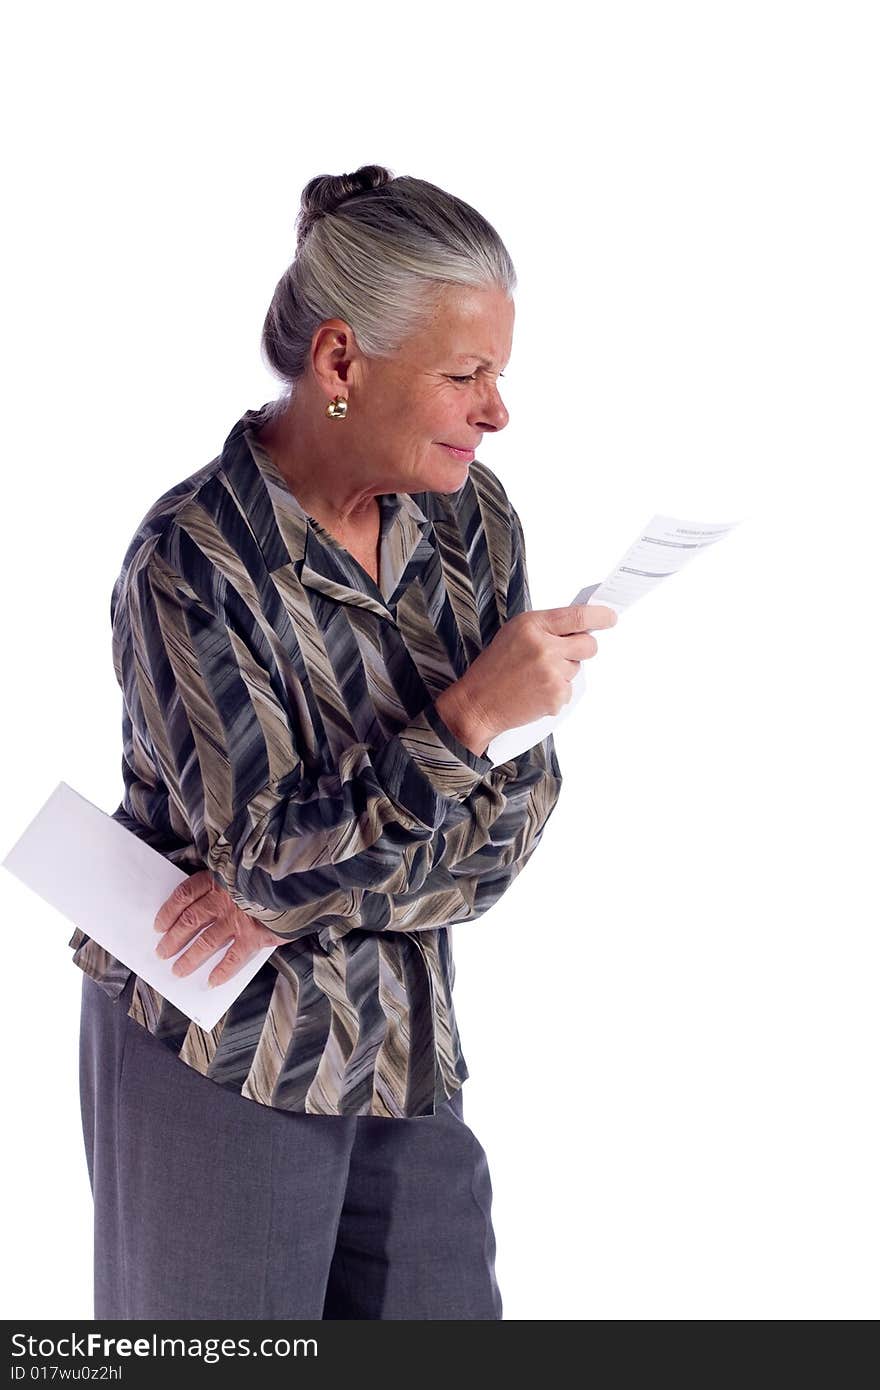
[321, 486]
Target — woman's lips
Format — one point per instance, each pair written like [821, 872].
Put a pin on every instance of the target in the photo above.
[459, 453]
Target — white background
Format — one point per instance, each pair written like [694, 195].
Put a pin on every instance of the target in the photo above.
[670, 1020]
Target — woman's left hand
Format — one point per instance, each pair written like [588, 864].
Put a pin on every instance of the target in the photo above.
[194, 903]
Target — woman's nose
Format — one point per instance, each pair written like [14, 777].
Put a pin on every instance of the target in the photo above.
[491, 414]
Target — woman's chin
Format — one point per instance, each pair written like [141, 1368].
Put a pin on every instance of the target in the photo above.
[436, 471]
[450, 478]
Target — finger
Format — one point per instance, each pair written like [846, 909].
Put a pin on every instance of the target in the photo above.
[577, 646]
[190, 923]
[238, 954]
[578, 617]
[204, 946]
[188, 891]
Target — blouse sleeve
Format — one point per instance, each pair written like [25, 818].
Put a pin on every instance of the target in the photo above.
[478, 854]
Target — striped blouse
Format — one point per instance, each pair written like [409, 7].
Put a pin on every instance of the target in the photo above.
[280, 730]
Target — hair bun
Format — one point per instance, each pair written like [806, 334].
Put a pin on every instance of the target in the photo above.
[326, 192]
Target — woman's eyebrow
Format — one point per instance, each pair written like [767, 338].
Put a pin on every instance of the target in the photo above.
[473, 357]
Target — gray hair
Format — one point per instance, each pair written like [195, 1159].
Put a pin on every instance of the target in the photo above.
[376, 251]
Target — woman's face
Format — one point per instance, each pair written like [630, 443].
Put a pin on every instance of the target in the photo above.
[439, 389]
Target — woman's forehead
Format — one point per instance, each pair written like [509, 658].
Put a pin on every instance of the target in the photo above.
[474, 326]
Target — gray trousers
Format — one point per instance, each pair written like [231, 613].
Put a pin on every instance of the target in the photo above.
[212, 1206]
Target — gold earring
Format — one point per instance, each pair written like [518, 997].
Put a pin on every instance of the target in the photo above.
[337, 408]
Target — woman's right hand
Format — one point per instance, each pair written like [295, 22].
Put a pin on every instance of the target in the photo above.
[524, 673]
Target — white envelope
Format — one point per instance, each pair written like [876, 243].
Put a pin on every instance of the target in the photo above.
[111, 884]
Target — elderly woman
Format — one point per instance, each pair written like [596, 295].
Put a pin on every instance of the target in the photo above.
[317, 635]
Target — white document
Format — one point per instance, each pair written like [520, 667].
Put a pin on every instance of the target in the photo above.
[111, 884]
[665, 545]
